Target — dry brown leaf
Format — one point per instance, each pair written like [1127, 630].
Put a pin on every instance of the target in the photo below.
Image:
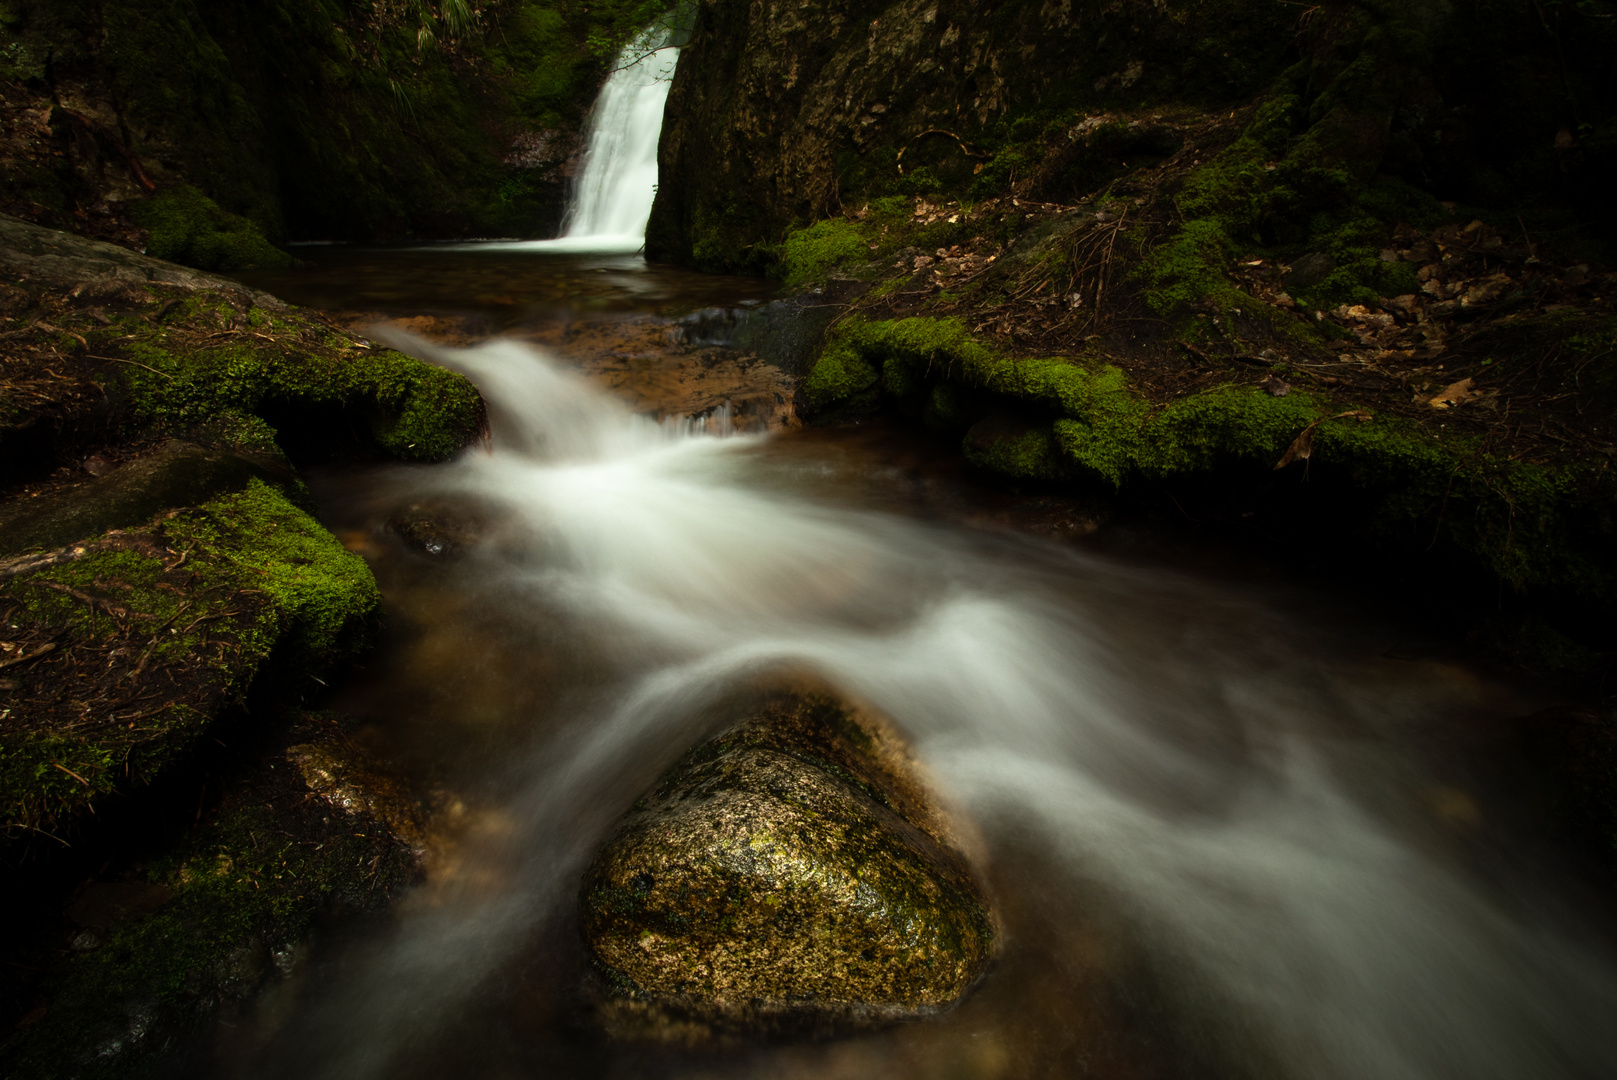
[1302, 447]
[1454, 395]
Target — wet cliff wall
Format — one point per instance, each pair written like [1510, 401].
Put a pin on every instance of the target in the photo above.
[782, 114]
[310, 119]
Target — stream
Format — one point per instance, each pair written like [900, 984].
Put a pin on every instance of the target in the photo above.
[1228, 833]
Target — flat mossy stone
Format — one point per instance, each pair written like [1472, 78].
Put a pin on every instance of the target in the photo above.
[124, 649]
[61, 259]
[791, 874]
[177, 474]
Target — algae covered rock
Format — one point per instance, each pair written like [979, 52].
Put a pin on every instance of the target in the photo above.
[144, 960]
[790, 874]
[123, 649]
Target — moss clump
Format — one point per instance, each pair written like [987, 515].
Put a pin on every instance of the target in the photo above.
[1057, 418]
[189, 228]
[285, 366]
[808, 254]
[260, 581]
[234, 899]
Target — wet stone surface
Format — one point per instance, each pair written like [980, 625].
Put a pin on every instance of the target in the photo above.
[791, 875]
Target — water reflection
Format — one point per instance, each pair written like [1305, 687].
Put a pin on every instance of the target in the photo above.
[504, 288]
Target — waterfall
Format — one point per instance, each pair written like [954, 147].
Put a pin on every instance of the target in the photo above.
[611, 200]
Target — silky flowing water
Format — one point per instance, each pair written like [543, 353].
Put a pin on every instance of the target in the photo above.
[1227, 835]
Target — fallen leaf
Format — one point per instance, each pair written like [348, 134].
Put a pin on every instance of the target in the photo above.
[1301, 448]
[1454, 395]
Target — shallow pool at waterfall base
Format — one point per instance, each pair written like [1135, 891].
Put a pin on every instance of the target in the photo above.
[502, 287]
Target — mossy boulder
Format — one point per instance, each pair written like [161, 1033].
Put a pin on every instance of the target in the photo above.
[149, 953]
[123, 649]
[792, 873]
[111, 347]
[177, 474]
[187, 227]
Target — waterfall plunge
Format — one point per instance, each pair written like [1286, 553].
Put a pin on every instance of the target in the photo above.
[611, 202]
[613, 199]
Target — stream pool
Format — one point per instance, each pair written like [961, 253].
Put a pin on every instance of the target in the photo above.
[1227, 833]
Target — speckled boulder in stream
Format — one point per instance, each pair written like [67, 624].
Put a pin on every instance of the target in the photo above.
[790, 875]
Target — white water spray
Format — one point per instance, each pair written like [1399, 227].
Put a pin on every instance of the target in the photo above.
[612, 202]
[1063, 701]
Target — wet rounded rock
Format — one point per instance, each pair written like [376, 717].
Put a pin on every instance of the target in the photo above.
[790, 874]
[437, 530]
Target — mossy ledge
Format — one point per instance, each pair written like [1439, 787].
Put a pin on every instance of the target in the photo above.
[179, 618]
[180, 931]
[163, 567]
[1078, 420]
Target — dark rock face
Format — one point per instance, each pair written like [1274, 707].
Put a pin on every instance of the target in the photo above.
[778, 110]
[788, 875]
[138, 966]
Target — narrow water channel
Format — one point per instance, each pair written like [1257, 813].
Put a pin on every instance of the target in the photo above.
[1226, 833]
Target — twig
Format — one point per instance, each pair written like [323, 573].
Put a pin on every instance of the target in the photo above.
[136, 363]
[35, 655]
[71, 773]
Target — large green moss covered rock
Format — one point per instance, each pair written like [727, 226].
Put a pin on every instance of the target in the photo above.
[108, 346]
[142, 961]
[791, 873]
[121, 650]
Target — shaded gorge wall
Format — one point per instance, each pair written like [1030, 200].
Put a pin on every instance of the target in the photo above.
[783, 114]
[308, 119]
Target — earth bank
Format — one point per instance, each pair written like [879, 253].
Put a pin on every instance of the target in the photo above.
[1333, 283]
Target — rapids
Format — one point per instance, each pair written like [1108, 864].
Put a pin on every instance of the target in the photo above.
[1214, 848]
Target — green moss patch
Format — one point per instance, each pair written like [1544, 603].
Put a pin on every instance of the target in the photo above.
[219, 914]
[1078, 419]
[177, 378]
[189, 228]
[143, 638]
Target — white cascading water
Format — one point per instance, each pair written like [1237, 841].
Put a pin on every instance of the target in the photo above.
[619, 177]
[1062, 702]
[617, 181]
